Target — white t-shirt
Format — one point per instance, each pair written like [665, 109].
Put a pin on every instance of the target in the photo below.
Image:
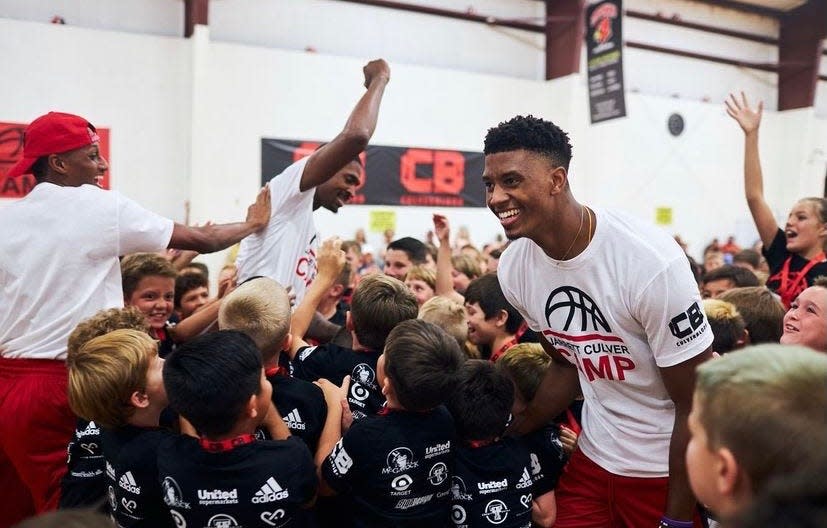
[59, 262]
[624, 307]
[285, 250]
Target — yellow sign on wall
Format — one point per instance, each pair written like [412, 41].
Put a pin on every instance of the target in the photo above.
[663, 216]
[380, 220]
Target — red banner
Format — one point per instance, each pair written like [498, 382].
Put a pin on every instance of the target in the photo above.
[11, 150]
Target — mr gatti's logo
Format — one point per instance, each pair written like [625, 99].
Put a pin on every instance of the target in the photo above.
[601, 22]
[579, 330]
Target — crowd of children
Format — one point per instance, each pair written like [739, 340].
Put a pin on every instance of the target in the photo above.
[419, 395]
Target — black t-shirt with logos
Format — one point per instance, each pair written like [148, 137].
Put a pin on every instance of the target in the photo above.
[133, 491]
[261, 483]
[333, 363]
[492, 485]
[547, 457]
[85, 482]
[302, 407]
[396, 466]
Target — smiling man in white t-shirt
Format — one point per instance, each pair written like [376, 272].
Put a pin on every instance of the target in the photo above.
[620, 313]
[286, 250]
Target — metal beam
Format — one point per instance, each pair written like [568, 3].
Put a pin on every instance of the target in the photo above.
[196, 12]
[448, 13]
[565, 29]
[742, 7]
[801, 43]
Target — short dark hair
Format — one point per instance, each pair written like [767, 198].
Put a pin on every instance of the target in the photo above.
[763, 313]
[750, 256]
[482, 401]
[486, 291]
[415, 249]
[187, 282]
[532, 134]
[423, 363]
[210, 379]
[740, 277]
[379, 303]
[40, 168]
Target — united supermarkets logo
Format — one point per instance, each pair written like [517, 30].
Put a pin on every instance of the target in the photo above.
[127, 482]
[294, 421]
[270, 491]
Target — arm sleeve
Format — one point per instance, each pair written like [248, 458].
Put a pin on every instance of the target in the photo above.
[285, 193]
[305, 364]
[140, 230]
[342, 466]
[777, 252]
[304, 480]
[669, 309]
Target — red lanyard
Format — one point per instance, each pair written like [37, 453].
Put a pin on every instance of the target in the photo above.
[503, 349]
[276, 371]
[788, 290]
[476, 444]
[222, 446]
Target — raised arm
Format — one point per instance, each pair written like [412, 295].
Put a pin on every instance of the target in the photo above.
[750, 120]
[354, 137]
[330, 262]
[444, 267]
[210, 238]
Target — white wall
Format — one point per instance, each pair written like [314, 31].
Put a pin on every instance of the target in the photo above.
[187, 117]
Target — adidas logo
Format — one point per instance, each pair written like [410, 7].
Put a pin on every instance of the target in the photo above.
[270, 491]
[128, 483]
[91, 430]
[525, 480]
[294, 421]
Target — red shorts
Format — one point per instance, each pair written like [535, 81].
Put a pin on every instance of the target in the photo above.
[588, 496]
[36, 426]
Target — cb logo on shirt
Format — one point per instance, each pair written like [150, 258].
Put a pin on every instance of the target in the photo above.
[683, 324]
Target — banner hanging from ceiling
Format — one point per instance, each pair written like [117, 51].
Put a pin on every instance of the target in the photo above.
[604, 45]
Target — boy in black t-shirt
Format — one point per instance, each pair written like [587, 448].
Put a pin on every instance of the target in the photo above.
[379, 304]
[227, 477]
[116, 381]
[396, 465]
[492, 482]
[85, 482]
[260, 308]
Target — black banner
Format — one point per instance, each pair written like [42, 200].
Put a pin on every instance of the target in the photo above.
[396, 175]
[604, 44]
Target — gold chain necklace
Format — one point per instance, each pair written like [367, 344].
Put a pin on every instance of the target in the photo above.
[579, 230]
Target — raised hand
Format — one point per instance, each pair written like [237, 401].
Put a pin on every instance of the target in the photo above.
[442, 228]
[258, 213]
[376, 70]
[740, 111]
[331, 259]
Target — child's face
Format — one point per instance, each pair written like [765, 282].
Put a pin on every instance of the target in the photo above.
[805, 323]
[803, 228]
[460, 280]
[193, 300]
[481, 331]
[701, 461]
[420, 289]
[155, 383]
[154, 297]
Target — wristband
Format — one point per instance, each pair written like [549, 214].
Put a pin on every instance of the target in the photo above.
[666, 522]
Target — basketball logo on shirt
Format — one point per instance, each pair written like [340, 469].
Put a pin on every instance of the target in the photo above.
[399, 460]
[363, 374]
[222, 520]
[578, 308]
[495, 512]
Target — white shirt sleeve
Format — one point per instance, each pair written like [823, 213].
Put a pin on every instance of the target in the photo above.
[140, 230]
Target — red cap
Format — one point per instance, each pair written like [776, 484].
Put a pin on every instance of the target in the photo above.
[53, 133]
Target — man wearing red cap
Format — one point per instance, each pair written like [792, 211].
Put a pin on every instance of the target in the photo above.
[59, 265]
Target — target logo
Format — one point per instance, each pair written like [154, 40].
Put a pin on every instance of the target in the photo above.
[458, 514]
[573, 308]
[358, 391]
[402, 482]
